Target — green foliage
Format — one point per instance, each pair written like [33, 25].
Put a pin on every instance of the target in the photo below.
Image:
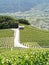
[24, 57]
[8, 22]
[23, 21]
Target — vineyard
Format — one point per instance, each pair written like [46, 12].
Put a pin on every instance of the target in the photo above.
[6, 38]
[19, 56]
[30, 36]
[24, 32]
[36, 39]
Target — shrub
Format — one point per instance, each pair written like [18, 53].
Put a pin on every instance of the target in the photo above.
[23, 21]
[8, 22]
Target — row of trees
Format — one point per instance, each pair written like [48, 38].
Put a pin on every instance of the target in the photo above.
[9, 22]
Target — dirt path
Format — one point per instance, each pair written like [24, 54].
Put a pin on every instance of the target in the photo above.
[17, 39]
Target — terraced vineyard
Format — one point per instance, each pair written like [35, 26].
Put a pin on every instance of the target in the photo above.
[6, 33]
[6, 38]
[30, 36]
[34, 37]
[6, 42]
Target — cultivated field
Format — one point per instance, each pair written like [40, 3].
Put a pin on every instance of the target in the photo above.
[34, 37]
[6, 38]
[30, 36]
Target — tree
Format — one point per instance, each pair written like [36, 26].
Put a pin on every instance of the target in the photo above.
[23, 21]
[8, 22]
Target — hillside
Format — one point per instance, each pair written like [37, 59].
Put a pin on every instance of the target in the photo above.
[24, 32]
[30, 36]
[34, 36]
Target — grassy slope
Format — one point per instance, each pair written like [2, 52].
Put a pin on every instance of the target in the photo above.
[30, 36]
[34, 36]
[6, 38]
[6, 33]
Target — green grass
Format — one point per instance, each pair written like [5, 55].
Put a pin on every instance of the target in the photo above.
[7, 42]
[6, 38]
[30, 36]
[6, 33]
[18, 56]
[35, 36]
